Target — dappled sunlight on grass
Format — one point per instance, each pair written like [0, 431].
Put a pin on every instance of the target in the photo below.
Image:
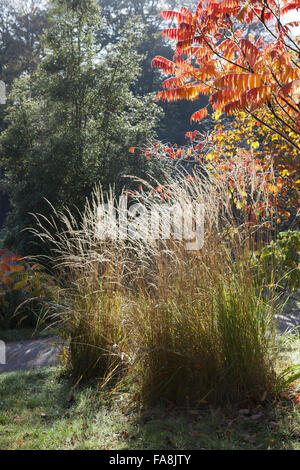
[39, 410]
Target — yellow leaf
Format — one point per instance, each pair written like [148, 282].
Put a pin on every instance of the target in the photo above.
[255, 145]
[217, 115]
[20, 285]
[272, 188]
[16, 268]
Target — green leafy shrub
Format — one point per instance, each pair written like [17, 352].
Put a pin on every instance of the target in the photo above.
[279, 261]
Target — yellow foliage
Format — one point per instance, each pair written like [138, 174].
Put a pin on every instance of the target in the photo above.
[255, 145]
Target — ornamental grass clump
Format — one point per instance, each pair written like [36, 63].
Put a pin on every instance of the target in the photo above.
[179, 324]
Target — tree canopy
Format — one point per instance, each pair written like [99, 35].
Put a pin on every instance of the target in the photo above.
[70, 123]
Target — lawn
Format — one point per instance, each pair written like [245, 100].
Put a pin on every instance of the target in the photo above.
[39, 409]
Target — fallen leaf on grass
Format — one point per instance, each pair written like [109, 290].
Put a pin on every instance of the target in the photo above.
[296, 399]
[198, 434]
[202, 402]
[73, 439]
[257, 416]
[244, 411]
[250, 438]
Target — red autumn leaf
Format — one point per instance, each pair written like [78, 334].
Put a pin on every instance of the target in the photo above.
[199, 115]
